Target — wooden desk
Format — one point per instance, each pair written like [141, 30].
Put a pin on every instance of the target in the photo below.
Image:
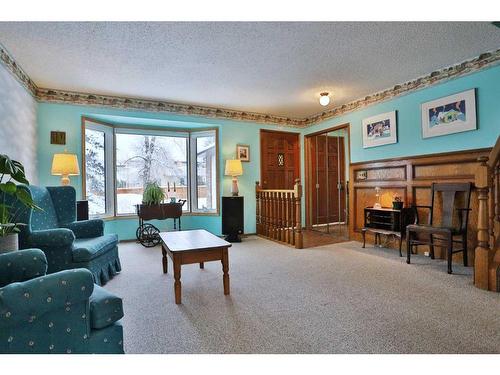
[194, 246]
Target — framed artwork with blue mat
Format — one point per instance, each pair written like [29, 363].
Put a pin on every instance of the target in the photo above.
[451, 114]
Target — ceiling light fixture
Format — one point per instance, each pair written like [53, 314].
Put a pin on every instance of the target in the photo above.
[324, 99]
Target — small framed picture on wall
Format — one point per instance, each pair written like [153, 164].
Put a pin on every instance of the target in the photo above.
[243, 153]
[380, 130]
[449, 115]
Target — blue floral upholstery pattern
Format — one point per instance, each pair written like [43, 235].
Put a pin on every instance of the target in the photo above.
[53, 313]
[68, 243]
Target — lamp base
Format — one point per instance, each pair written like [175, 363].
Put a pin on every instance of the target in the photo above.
[234, 187]
[65, 180]
[377, 205]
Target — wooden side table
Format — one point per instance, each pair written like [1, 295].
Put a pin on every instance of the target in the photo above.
[388, 222]
[194, 246]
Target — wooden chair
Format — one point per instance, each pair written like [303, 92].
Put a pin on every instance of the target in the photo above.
[443, 235]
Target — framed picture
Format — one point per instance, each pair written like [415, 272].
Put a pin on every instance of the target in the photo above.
[243, 152]
[452, 114]
[57, 138]
[380, 130]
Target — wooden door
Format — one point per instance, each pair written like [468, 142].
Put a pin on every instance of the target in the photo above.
[327, 158]
[336, 179]
[279, 159]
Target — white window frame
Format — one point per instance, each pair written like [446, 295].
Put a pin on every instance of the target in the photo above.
[109, 164]
[191, 135]
[194, 169]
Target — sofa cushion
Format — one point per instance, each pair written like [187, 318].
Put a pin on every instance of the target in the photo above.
[105, 308]
[85, 249]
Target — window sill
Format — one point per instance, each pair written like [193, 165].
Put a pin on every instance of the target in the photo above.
[125, 217]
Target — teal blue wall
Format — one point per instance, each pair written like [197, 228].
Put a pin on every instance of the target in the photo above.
[410, 141]
[68, 118]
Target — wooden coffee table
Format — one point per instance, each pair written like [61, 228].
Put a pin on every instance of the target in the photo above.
[194, 246]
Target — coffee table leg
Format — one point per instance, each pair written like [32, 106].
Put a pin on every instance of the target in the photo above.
[177, 282]
[225, 270]
[202, 265]
[164, 259]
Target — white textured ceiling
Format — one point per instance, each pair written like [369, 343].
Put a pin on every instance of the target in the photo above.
[275, 67]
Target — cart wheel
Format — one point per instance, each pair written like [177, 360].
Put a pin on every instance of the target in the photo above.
[148, 235]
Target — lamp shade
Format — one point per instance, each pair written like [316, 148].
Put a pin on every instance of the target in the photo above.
[233, 168]
[65, 165]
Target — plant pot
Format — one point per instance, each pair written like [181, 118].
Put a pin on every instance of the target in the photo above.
[397, 205]
[9, 243]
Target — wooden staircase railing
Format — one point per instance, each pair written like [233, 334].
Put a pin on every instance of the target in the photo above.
[487, 252]
[278, 214]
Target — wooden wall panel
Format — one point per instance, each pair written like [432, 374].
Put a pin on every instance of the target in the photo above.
[412, 178]
[397, 173]
[452, 170]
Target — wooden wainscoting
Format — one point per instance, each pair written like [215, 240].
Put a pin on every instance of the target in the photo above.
[411, 178]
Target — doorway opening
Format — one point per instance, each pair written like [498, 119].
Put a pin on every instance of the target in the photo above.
[327, 184]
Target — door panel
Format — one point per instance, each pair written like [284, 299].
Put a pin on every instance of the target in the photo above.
[280, 159]
[327, 158]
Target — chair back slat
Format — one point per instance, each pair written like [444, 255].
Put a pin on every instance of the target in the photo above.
[448, 208]
[449, 194]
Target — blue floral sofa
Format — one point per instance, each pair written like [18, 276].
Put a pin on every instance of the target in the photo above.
[68, 243]
[64, 312]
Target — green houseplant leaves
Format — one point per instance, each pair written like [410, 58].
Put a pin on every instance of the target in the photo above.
[153, 194]
[12, 171]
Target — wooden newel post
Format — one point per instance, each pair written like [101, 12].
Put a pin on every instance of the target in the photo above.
[482, 254]
[298, 214]
[257, 208]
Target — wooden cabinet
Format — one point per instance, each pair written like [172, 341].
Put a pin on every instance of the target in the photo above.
[383, 218]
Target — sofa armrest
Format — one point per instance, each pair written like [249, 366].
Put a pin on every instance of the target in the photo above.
[26, 301]
[22, 265]
[59, 237]
[87, 228]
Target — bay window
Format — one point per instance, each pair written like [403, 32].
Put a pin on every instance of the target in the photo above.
[120, 161]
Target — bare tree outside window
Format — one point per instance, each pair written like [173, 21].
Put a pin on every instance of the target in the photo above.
[146, 158]
[95, 171]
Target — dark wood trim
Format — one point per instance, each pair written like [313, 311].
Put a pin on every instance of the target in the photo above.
[278, 131]
[330, 129]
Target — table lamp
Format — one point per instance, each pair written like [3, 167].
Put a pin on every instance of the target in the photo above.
[377, 194]
[234, 169]
[65, 165]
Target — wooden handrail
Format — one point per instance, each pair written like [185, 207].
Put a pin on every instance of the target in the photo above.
[487, 254]
[278, 214]
[494, 156]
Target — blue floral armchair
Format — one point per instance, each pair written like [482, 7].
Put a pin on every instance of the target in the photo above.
[64, 312]
[68, 243]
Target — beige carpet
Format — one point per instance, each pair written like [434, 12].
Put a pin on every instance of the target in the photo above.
[331, 299]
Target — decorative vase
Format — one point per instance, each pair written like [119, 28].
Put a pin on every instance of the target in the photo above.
[397, 205]
[9, 243]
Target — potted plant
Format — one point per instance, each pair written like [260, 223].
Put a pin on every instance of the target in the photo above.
[11, 173]
[397, 202]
